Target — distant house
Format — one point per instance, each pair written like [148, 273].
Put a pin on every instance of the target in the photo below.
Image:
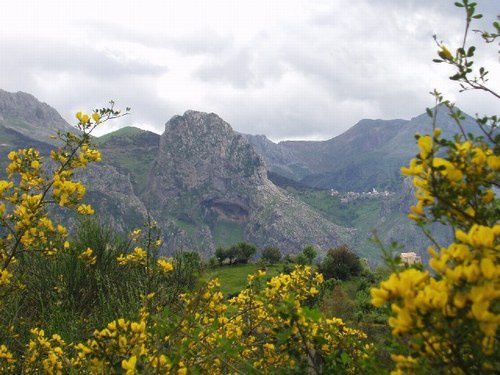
[410, 258]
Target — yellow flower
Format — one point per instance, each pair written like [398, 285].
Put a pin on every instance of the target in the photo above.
[129, 365]
[164, 265]
[488, 268]
[85, 209]
[425, 146]
[379, 296]
[88, 256]
[449, 171]
[494, 162]
[96, 116]
[445, 53]
[5, 277]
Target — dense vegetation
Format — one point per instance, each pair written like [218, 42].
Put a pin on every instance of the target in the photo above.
[133, 310]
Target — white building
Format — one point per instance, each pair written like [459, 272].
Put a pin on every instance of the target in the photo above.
[410, 258]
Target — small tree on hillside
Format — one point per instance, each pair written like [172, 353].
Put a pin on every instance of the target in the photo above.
[232, 254]
[271, 255]
[244, 251]
[310, 253]
[221, 255]
[340, 263]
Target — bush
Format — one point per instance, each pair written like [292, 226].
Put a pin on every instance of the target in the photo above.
[187, 269]
[340, 263]
[447, 317]
[243, 252]
[221, 255]
[271, 255]
[310, 254]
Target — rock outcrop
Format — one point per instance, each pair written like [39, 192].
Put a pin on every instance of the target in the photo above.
[206, 177]
[23, 113]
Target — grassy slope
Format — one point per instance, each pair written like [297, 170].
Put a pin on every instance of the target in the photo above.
[122, 132]
[227, 233]
[124, 149]
[234, 278]
[360, 214]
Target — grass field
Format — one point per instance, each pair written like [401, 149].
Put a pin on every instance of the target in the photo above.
[234, 278]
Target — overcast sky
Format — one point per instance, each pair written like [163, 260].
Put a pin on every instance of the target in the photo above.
[294, 69]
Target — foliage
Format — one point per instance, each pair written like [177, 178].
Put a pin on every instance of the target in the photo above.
[271, 255]
[244, 251]
[160, 318]
[340, 263]
[449, 317]
[310, 253]
[220, 254]
[238, 253]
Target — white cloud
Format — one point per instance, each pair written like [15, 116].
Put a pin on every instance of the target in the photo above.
[287, 69]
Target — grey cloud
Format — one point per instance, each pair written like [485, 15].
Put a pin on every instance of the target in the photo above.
[83, 78]
[235, 70]
[56, 56]
[201, 42]
[311, 77]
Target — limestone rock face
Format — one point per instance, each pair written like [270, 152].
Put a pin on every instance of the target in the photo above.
[25, 114]
[208, 179]
[112, 194]
[26, 122]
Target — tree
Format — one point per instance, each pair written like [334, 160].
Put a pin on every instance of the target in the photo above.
[448, 319]
[340, 263]
[221, 255]
[301, 259]
[232, 254]
[271, 255]
[244, 251]
[310, 253]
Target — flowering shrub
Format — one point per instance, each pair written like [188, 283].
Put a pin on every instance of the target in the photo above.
[32, 185]
[266, 328]
[449, 315]
[269, 327]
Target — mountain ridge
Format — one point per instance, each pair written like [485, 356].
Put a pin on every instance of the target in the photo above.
[208, 185]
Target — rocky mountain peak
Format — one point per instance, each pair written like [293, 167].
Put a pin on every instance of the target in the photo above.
[27, 115]
[208, 184]
[206, 150]
[198, 123]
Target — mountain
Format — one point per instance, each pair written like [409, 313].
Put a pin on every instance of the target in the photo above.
[279, 159]
[25, 114]
[132, 152]
[27, 122]
[203, 183]
[368, 155]
[208, 186]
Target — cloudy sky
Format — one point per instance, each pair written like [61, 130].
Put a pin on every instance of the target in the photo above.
[294, 69]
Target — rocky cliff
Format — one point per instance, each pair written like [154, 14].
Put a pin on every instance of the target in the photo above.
[23, 113]
[26, 122]
[208, 183]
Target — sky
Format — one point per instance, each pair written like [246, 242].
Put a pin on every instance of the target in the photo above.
[294, 69]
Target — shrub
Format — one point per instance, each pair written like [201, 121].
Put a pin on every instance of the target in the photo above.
[187, 269]
[448, 317]
[340, 263]
[260, 330]
[243, 252]
[271, 255]
[310, 253]
[221, 255]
